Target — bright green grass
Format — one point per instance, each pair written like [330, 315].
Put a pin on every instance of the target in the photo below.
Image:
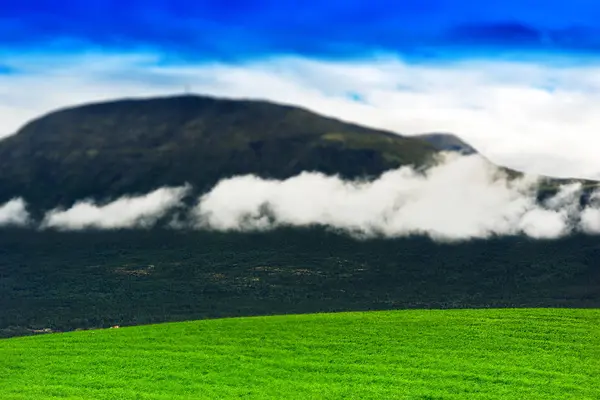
[466, 354]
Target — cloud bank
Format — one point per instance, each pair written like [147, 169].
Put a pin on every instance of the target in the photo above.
[126, 212]
[537, 116]
[460, 198]
[14, 213]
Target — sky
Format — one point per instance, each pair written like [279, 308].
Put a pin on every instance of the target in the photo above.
[519, 80]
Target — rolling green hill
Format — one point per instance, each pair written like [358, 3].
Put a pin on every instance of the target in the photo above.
[135, 146]
[453, 354]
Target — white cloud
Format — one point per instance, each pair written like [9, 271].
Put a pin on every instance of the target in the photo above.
[525, 115]
[459, 199]
[14, 213]
[590, 217]
[126, 212]
[590, 220]
[544, 224]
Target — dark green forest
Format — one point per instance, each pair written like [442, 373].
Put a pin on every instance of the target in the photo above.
[52, 281]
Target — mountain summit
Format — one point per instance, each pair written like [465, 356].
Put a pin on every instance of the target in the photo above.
[109, 149]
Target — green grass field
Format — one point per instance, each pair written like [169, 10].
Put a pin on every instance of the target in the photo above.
[412, 354]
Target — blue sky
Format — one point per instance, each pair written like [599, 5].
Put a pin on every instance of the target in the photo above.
[238, 30]
[520, 80]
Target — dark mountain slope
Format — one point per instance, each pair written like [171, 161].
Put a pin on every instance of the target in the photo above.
[447, 142]
[132, 146]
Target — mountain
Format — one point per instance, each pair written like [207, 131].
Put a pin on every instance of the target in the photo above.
[447, 142]
[60, 281]
[108, 149]
[133, 146]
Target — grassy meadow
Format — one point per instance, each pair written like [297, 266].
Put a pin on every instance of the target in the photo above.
[408, 354]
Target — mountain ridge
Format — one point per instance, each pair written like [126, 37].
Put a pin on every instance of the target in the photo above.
[108, 149]
[104, 150]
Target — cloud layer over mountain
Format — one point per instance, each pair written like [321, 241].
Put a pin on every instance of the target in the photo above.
[126, 212]
[460, 198]
[14, 213]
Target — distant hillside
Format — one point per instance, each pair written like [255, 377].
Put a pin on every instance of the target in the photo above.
[133, 146]
[548, 187]
[105, 150]
[447, 142]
